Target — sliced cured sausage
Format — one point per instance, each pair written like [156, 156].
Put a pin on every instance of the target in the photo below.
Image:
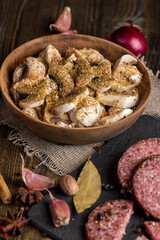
[109, 220]
[134, 156]
[141, 238]
[153, 229]
[146, 186]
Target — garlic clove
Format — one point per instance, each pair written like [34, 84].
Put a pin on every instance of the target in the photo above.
[60, 211]
[63, 22]
[35, 181]
[70, 32]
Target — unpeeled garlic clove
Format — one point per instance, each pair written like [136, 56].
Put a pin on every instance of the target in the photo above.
[63, 22]
[35, 181]
[60, 211]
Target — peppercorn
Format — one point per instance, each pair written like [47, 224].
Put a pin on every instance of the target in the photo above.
[125, 206]
[107, 187]
[138, 230]
[100, 216]
[111, 211]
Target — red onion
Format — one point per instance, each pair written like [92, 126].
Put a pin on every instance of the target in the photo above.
[130, 37]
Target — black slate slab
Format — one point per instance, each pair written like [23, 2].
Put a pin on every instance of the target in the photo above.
[106, 162]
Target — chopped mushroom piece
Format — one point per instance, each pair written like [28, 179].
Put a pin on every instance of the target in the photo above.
[82, 67]
[88, 111]
[18, 72]
[102, 78]
[38, 94]
[64, 105]
[50, 55]
[51, 117]
[69, 64]
[35, 68]
[114, 115]
[92, 55]
[126, 76]
[127, 58]
[64, 80]
[31, 112]
[27, 74]
[119, 99]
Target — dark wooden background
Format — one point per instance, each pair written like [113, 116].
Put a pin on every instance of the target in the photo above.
[24, 20]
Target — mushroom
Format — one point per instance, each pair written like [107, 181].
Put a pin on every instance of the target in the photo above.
[92, 55]
[50, 117]
[50, 55]
[35, 68]
[37, 94]
[127, 58]
[115, 114]
[19, 72]
[66, 104]
[31, 112]
[83, 68]
[63, 78]
[119, 99]
[69, 64]
[125, 74]
[87, 112]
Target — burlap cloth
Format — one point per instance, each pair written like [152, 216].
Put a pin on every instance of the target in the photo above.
[63, 159]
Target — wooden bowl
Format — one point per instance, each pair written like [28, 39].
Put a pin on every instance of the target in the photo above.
[67, 135]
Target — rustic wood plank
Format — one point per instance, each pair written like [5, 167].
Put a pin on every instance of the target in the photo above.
[152, 20]
[11, 12]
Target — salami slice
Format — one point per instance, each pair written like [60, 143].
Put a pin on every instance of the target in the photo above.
[146, 186]
[109, 220]
[141, 238]
[134, 156]
[153, 229]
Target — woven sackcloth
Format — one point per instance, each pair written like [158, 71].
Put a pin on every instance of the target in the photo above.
[63, 159]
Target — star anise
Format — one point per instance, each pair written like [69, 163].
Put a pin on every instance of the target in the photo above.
[27, 195]
[13, 223]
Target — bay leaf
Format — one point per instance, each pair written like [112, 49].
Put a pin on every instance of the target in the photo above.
[89, 183]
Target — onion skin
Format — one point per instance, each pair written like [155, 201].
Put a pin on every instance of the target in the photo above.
[131, 38]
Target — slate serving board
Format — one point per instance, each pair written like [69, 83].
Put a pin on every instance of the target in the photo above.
[106, 162]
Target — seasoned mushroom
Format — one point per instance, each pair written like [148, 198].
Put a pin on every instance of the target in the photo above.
[119, 99]
[50, 55]
[63, 78]
[35, 68]
[19, 72]
[126, 76]
[92, 55]
[31, 112]
[50, 117]
[64, 105]
[114, 115]
[102, 78]
[83, 69]
[87, 112]
[37, 96]
[69, 64]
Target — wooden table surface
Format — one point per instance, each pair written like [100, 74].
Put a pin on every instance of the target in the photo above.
[22, 20]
